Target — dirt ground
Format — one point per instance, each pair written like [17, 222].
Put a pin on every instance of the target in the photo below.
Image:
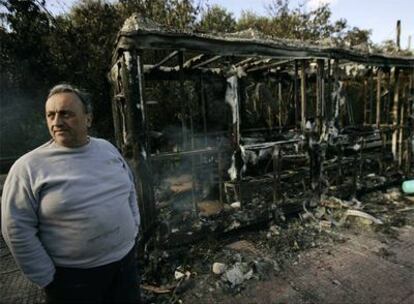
[308, 259]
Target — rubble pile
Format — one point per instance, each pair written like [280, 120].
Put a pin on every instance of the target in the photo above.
[378, 210]
[223, 265]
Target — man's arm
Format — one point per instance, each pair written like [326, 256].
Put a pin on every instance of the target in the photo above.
[133, 202]
[19, 222]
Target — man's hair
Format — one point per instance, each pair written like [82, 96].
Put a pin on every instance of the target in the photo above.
[67, 88]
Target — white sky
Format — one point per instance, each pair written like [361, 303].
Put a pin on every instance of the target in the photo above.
[380, 16]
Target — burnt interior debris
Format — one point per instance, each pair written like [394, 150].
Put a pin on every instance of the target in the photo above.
[224, 131]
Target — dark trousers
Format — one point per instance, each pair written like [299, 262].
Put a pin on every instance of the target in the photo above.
[117, 282]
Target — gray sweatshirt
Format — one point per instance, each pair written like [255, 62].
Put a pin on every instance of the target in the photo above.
[69, 207]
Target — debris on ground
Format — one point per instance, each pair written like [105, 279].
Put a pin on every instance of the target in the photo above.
[218, 268]
[222, 265]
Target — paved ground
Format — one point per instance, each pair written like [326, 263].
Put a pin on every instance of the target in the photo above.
[14, 288]
[366, 268]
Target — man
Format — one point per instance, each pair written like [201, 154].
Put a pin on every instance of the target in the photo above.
[69, 210]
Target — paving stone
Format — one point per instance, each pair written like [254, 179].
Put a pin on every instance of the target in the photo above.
[353, 274]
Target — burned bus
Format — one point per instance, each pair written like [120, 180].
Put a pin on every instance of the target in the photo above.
[224, 130]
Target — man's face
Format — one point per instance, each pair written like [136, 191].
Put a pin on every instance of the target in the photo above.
[67, 120]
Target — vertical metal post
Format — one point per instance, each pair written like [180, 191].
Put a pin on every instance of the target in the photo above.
[328, 102]
[371, 97]
[355, 170]
[136, 151]
[320, 100]
[361, 160]
[203, 109]
[410, 113]
[340, 170]
[193, 186]
[401, 129]
[378, 107]
[279, 97]
[365, 101]
[296, 93]
[398, 35]
[276, 173]
[118, 98]
[220, 177]
[183, 102]
[189, 106]
[232, 99]
[343, 109]
[384, 139]
[336, 104]
[388, 100]
[144, 139]
[395, 108]
[303, 106]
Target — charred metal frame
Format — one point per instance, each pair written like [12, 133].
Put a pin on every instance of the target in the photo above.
[304, 141]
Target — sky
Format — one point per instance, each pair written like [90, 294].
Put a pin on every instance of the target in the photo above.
[380, 16]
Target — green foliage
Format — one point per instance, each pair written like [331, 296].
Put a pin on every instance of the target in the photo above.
[40, 51]
[179, 14]
[90, 30]
[301, 24]
[22, 125]
[390, 47]
[296, 23]
[357, 36]
[25, 71]
[217, 19]
[251, 20]
[24, 48]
